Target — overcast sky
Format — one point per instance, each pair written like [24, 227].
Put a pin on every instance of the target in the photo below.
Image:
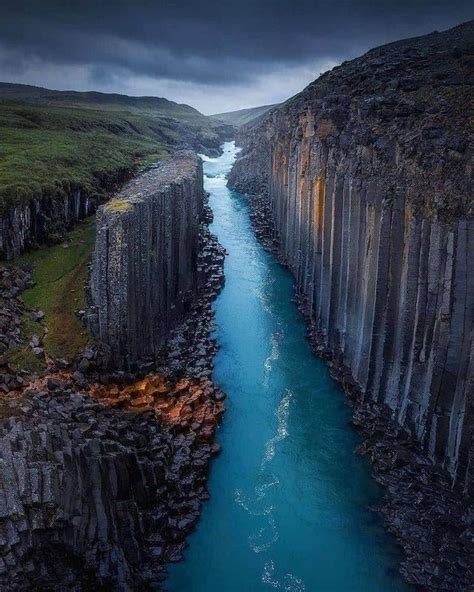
[215, 56]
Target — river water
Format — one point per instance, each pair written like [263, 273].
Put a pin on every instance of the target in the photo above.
[289, 508]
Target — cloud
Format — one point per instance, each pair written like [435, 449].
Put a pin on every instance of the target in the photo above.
[215, 55]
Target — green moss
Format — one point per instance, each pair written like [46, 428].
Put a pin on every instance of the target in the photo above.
[59, 273]
[46, 151]
[119, 205]
[23, 358]
[29, 327]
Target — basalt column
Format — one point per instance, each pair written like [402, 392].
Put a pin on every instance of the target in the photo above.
[368, 176]
[144, 269]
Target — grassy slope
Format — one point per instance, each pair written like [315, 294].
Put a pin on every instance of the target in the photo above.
[52, 142]
[47, 150]
[243, 116]
[59, 273]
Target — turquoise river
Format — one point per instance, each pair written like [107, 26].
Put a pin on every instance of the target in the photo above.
[290, 499]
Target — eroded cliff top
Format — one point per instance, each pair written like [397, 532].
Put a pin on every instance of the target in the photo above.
[430, 62]
[183, 165]
[403, 111]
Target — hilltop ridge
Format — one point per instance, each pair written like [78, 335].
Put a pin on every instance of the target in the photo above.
[95, 99]
[242, 116]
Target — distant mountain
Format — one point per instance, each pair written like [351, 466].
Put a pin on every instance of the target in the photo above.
[243, 116]
[97, 100]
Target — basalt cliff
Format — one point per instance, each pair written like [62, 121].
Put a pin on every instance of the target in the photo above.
[363, 184]
[102, 471]
[145, 272]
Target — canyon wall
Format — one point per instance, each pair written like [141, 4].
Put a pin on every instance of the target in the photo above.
[41, 220]
[368, 176]
[103, 472]
[145, 272]
[27, 225]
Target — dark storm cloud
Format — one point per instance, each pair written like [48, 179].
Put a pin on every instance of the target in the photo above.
[206, 42]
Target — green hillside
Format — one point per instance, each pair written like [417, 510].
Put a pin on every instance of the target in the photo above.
[53, 141]
[98, 100]
[243, 116]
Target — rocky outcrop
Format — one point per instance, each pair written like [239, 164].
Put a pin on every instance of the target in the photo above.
[45, 220]
[99, 489]
[367, 174]
[102, 475]
[144, 269]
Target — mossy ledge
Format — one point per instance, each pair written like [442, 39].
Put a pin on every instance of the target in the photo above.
[59, 273]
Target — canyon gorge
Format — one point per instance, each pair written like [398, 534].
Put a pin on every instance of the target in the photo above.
[344, 221]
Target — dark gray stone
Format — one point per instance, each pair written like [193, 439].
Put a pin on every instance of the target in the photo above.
[144, 271]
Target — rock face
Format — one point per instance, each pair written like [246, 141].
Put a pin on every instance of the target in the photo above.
[45, 220]
[144, 269]
[102, 475]
[99, 490]
[367, 174]
[27, 224]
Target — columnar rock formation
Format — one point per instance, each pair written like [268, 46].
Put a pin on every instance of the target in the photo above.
[144, 270]
[102, 475]
[369, 177]
[98, 490]
[27, 225]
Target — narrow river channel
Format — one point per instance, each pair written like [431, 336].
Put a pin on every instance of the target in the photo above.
[289, 507]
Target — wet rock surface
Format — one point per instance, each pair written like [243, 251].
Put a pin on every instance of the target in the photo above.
[362, 186]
